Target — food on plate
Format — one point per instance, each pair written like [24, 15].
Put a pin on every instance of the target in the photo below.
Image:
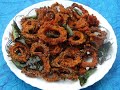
[59, 43]
[19, 52]
[47, 34]
[77, 39]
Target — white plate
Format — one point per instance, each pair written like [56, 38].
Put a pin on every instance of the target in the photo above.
[62, 85]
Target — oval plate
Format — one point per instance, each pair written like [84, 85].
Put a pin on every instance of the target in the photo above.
[61, 85]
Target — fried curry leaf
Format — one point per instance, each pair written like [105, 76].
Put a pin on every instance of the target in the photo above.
[16, 30]
[103, 52]
[83, 78]
[69, 30]
[17, 34]
[18, 64]
[52, 35]
[22, 40]
[34, 63]
[79, 12]
[31, 17]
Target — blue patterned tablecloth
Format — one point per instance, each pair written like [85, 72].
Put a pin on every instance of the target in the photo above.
[110, 9]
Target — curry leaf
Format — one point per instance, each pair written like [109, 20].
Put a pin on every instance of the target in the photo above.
[17, 34]
[83, 78]
[31, 17]
[103, 52]
[22, 40]
[79, 12]
[69, 30]
[18, 64]
[49, 34]
[34, 63]
[16, 30]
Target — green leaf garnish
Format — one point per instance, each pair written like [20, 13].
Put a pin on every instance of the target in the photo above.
[31, 17]
[17, 33]
[34, 63]
[52, 35]
[69, 30]
[79, 12]
[16, 30]
[18, 64]
[103, 52]
[83, 78]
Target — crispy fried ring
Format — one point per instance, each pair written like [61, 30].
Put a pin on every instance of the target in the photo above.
[92, 20]
[19, 52]
[58, 8]
[69, 58]
[80, 7]
[61, 18]
[41, 13]
[31, 73]
[52, 77]
[93, 54]
[55, 49]
[46, 65]
[53, 41]
[82, 25]
[77, 39]
[97, 36]
[39, 48]
[69, 76]
[29, 29]
[65, 73]
[61, 70]
[82, 70]
[42, 51]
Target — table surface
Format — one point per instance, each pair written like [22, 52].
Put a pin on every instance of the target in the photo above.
[108, 8]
